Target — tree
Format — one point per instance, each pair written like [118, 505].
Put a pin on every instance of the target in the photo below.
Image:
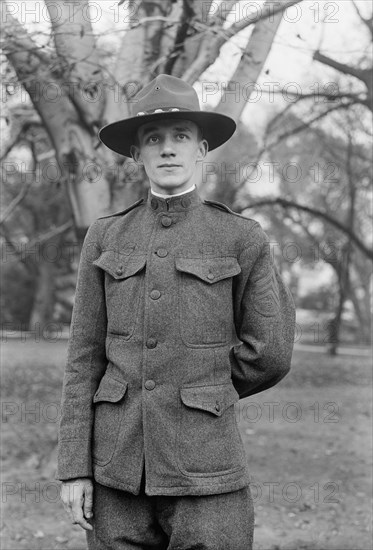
[363, 72]
[75, 87]
[34, 228]
[324, 198]
[180, 37]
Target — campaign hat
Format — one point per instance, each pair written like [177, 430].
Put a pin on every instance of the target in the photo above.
[166, 97]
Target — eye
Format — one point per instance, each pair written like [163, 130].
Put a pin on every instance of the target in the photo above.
[152, 139]
[182, 137]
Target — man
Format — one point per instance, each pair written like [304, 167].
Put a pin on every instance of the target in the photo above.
[179, 313]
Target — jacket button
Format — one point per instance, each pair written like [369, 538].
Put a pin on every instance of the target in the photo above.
[217, 407]
[154, 204]
[119, 270]
[166, 222]
[162, 252]
[150, 384]
[211, 276]
[155, 294]
[151, 343]
[185, 202]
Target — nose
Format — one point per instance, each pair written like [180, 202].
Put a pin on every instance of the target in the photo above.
[167, 147]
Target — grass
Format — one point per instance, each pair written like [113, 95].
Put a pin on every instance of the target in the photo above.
[308, 443]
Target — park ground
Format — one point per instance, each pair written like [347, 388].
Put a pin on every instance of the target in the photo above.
[308, 443]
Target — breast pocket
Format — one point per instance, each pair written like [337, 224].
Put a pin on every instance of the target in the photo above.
[109, 409]
[124, 286]
[205, 300]
[209, 442]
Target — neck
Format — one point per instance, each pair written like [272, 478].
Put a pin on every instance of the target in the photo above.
[164, 195]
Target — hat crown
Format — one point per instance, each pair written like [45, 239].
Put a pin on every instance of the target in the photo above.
[165, 93]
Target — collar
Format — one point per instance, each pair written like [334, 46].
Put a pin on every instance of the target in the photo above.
[176, 203]
[176, 194]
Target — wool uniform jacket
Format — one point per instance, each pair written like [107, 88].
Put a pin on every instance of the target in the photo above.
[179, 312]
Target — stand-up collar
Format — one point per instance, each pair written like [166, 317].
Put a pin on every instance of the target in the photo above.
[183, 202]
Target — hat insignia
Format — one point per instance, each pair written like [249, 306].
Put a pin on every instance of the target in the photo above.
[156, 111]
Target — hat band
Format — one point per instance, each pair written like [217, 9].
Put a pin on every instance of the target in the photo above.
[155, 111]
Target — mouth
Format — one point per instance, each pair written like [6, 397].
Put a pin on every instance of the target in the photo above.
[169, 165]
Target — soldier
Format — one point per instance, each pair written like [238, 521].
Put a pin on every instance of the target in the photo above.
[179, 313]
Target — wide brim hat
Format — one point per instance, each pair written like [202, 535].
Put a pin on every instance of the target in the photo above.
[166, 97]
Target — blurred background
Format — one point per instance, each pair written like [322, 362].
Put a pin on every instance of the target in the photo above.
[296, 75]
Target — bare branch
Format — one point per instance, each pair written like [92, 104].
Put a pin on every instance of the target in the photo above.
[22, 255]
[367, 22]
[12, 144]
[215, 37]
[181, 45]
[18, 251]
[78, 58]
[365, 75]
[20, 135]
[170, 37]
[286, 203]
[190, 35]
[269, 10]
[308, 123]
[223, 13]
[34, 72]
[44, 237]
[11, 207]
[328, 97]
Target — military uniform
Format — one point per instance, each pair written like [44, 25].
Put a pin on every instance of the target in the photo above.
[154, 365]
[179, 312]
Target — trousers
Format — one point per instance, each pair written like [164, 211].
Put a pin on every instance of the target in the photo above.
[123, 521]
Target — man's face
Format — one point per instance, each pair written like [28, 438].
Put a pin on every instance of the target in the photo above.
[169, 150]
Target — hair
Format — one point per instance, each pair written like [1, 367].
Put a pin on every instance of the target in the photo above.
[200, 133]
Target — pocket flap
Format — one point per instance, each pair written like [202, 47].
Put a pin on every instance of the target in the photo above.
[118, 265]
[209, 270]
[213, 399]
[110, 389]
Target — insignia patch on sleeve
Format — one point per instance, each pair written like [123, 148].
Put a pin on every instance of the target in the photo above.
[264, 296]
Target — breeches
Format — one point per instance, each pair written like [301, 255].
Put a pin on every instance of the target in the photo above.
[123, 521]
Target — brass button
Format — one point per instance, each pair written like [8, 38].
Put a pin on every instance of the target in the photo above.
[166, 222]
[150, 384]
[185, 202]
[211, 276]
[151, 343]
[155, 294]
[119, 270]
[162, 252]
[154, 204]
[217, 407]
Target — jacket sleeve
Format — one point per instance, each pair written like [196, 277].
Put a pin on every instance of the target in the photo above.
[264, 316]
[86, 364]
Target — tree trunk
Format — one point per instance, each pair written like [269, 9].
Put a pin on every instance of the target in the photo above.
[249, 68]
[42, 309]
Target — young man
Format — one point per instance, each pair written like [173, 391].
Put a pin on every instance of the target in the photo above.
[179, 313]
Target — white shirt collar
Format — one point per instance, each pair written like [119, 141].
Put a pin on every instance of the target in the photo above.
[176, 194]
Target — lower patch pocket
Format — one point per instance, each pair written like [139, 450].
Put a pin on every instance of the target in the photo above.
[109, 409]
[208, 439]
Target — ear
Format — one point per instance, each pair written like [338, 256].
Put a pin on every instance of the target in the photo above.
[136, 155]
[203, 148]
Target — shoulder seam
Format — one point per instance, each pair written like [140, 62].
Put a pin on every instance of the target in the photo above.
[122, 212]
[222, 206]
